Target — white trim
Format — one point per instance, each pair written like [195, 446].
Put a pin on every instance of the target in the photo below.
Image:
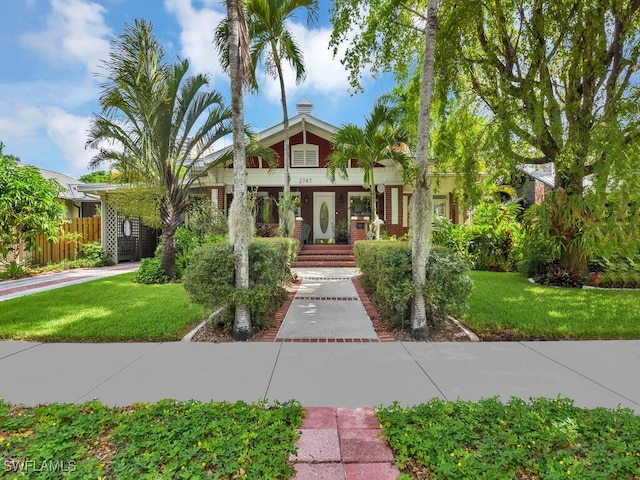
[394, 205]
[405, 211]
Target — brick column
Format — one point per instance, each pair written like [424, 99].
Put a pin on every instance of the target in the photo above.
[359, 233]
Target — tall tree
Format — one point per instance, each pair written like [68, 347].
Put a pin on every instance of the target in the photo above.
[559, 79]
[156, 125]
[272, 42]
[370, 146]
[29, 206]
[240, 217]
[399, 36]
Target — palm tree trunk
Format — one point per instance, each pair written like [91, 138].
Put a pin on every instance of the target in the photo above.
[374, 207]
[421, 206]
[240, 221]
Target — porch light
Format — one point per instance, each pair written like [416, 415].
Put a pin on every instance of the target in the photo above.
[306, 198]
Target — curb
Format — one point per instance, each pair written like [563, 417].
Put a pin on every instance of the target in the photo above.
[189, 336]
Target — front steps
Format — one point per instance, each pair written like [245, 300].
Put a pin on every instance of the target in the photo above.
[313, 256]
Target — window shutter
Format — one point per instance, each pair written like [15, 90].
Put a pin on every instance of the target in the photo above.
[298, 158]
[312, 158]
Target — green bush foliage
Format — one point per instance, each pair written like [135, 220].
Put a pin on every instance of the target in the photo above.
[150, 272]
[545, 438]
[166, 440]
[94, 255]
[386, 266]
[490, 243]
[210, 278]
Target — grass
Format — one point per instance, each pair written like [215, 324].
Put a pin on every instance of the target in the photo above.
[545, 438]
[107, 310]
[507, 302]
[164, 440]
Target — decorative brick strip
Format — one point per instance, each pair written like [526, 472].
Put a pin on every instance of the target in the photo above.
[342, 443]
[327, 340]
[372, 312]
[271, 333]
[328, 298]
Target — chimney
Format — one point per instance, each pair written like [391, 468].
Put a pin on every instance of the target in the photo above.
[304, 106]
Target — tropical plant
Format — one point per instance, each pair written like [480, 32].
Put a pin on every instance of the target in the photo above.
[156, 125]
[29, 206]
[234, 51]
[370, 146]
[397, 36]
[272, 43]
[558, 80]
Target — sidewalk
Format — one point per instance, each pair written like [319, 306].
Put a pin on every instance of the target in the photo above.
[47, 281]
[593, 373]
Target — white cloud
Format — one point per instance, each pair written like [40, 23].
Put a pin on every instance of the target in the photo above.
[197, 27]
[76, 33]
[31, 132]
[69, 133]
[325, 74]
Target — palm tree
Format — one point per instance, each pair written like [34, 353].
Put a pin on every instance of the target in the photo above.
[156, 124]
[421, 206]
[236, 55]
[370, 146]
[273, 41]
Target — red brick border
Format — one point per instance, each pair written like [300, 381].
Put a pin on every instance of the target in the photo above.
[372, 312]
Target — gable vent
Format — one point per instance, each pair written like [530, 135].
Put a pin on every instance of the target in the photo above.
[304, 106]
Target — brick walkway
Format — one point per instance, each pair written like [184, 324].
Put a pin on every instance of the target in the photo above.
[342, 444]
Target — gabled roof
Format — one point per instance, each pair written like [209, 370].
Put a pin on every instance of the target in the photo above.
[69, 184]
[298, 122]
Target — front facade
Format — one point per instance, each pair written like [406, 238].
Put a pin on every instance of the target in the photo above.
[323, 204]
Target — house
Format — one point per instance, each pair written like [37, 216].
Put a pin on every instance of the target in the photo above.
[322, 203]
[310, 143]
[79, 204]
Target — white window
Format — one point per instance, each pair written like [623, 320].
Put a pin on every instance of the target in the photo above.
[440, 206]
[304, 155]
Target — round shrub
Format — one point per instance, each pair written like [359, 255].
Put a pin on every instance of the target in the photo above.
[150, 272]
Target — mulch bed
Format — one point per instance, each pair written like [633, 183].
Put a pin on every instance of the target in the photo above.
[443, 331]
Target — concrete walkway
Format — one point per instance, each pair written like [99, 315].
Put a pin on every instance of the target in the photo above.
[327, 306]
[593, 373]
[47, 281]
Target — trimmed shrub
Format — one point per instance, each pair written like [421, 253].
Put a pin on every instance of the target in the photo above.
[150, 272]
[94, 255]
[210, 278]
[386, 266]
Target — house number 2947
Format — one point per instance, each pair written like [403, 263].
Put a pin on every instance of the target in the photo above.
[304, 180]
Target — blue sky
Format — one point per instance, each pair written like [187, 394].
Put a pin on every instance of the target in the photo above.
[50, 51]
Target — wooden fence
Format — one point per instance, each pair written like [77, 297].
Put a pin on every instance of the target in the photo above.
[76, 232]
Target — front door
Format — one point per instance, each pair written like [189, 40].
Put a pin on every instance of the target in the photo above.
[324, 216]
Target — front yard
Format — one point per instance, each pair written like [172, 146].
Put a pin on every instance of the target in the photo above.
[109, 310]
[506, 306]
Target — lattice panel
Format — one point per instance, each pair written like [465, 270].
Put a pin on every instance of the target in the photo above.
[111, 231]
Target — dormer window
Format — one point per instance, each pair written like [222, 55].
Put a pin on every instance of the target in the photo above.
[304, 155]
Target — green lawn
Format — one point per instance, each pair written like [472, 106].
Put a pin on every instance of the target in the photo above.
[107, 310]
[507, 302]
[164, 440]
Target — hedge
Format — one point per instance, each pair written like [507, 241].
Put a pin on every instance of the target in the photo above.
[210, 278]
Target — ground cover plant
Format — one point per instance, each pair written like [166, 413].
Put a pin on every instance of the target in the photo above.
[507, 306]
[107, 310]
[165, 440]
[543, 438]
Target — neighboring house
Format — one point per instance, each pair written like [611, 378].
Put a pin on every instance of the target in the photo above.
[538, 181]
[79, 204]
[310, 143]
[122, 238]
